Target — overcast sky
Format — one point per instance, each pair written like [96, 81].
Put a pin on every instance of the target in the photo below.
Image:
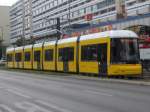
[7, 2]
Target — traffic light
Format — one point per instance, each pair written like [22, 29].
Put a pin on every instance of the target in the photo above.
[142, 30]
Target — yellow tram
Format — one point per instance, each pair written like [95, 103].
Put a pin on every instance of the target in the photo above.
[66, 58]
[110, 53]
[18, 62]
[49, 56]
[28, 57]
[37, 56]
[10, 57]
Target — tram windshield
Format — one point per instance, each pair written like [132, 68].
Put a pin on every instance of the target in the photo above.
[124, 51]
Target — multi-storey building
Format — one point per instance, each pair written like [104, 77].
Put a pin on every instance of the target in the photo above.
[4, 29]
[40, 13]
[137, 7]
[16, 21]
[69, 12]
[27, 9]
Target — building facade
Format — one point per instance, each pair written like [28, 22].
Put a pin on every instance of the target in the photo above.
[38, 15]
[4, 29]
[27, 14]
[16, 22]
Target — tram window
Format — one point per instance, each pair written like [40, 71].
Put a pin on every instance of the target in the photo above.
[9, 57]
[66, 54]
[84, 53]
[27, 56]
[60, 56]
[89, 53]
[124, 51]
[49, 55]
[37, 55]
[18, 57]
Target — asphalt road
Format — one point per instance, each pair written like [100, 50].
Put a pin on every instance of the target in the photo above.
[24, 92]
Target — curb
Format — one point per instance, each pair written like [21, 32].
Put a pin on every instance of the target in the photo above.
[80, 77]
[109, 80]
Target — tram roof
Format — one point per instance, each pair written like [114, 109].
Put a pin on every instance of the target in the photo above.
[18, 48]
[68, 40]
[28, 46]
[10, 49]
[111, 34]
[38, 45]
[49, 43]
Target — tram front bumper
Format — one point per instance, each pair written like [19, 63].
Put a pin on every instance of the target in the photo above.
[125, 69]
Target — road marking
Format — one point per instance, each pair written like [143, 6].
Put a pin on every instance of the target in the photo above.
[60, 109]
[30, 107]
[4, 108]
[6, 78]
[18, 93]
[98, 93]
[2, 87]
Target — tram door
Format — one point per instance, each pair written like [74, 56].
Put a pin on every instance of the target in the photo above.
[18, 57]
[65, 60]
[38, 59]
[102, 59]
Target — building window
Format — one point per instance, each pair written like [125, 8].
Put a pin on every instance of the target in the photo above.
[104, 11]
[49, 55]
[140, 1]
[60, 1]
[131, 3]
[89, 9]
[55, 3]
[82, 11]
[94, 8]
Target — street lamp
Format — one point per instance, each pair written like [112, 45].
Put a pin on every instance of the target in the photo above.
[69, 16]
[1, 40]
[2, 32]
